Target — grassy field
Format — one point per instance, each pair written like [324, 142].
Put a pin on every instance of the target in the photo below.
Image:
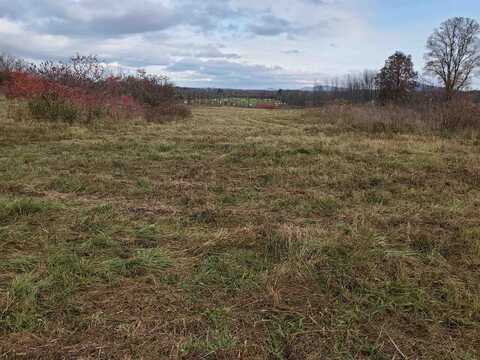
[237, 234]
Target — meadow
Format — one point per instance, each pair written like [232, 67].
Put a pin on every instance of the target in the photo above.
[238, 234]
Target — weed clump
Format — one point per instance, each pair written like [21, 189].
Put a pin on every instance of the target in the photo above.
[290, 243]
[24, 207]
[21, 311]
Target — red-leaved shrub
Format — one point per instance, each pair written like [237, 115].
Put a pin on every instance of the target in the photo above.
[54, 101]
[81, 90]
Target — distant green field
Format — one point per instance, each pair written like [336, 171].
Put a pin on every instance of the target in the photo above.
[238, 102]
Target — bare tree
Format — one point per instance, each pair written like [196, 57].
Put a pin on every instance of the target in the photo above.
[80, 70]
[10, 63]
[87, 68]
[454, 53]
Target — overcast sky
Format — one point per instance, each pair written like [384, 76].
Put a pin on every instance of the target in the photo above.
[229, 43]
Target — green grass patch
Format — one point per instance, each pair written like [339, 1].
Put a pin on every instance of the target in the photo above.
[142, 262]
[217, 336]
[233, 270]
[21, 311]
[13, 209]
[19, 263]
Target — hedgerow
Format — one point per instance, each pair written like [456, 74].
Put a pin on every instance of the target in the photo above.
[82, 90]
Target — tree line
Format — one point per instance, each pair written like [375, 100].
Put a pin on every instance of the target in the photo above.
[452, 58]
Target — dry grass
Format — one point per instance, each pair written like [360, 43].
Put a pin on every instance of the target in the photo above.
[458, 115]
[238, 234]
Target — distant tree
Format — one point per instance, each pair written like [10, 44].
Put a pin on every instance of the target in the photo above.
[79, 71]
[87, 68]
[9, 64]
[397, 79]
[368, 83]
[454, 53]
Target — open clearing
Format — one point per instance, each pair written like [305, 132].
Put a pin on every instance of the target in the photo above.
[238, 234]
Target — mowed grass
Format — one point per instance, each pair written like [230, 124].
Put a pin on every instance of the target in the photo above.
[238, 233]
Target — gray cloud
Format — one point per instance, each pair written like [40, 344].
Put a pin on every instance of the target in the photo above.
[209, 40]
[108, 19]
[224, 73]
[270, 25]
[102, 18]
[292, 52]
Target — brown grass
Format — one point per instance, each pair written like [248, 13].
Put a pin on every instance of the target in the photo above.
[457, 115]
[250, 234]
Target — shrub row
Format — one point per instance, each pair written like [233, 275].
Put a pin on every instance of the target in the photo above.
[82, 90]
